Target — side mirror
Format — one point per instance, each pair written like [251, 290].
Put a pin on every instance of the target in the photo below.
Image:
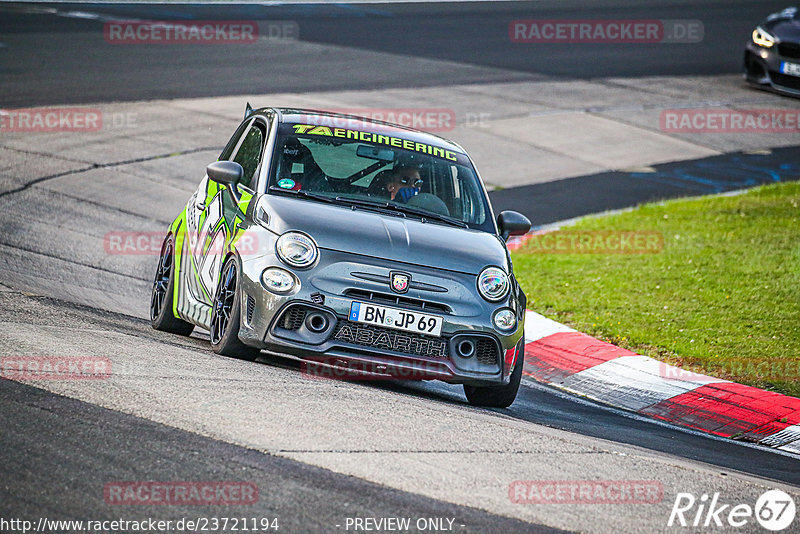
[512, 223]
[225, 172]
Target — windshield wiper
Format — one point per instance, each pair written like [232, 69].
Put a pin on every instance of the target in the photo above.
[382, 207]
[433, 216]
[306, 194]
[340, 201]
[399, 208]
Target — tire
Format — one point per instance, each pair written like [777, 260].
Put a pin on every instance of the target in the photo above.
[161, 316]
[499, 396]
[226, 315]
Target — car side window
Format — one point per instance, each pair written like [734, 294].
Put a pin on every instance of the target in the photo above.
[249, 154]
[234, 140]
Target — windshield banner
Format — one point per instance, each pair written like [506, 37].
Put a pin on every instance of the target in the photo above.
[379, 139]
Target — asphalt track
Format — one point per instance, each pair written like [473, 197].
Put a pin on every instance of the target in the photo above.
[55, 59]
[176, 412]
[52, 432]
[557, 200]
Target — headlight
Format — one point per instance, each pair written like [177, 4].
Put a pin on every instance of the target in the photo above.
[505, 319]
[493, 284]
[296, 249]
[277, 280]
[761, 37]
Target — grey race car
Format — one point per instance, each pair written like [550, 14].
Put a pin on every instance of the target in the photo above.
[772, 56]
[351, 244]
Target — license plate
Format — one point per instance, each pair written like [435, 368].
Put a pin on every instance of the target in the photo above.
[792, 69]
[419, 323]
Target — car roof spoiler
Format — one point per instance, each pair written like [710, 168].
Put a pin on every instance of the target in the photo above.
[248, 110]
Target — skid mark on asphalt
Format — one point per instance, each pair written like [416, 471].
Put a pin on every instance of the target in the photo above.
[129, 213]
[74, 262]
[44, 154]
[38, 312]
[105, 166]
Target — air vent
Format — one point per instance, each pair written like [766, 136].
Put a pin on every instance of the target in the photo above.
[486, 351]
[785, 80]
[251, 308]
[293, 318]
[790, 50]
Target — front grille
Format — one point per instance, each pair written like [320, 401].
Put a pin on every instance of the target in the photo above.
[386, 339]
[790, 50]
[784, 80]
[293, 318]
[251, 308]
[486, 351]
[396, 300]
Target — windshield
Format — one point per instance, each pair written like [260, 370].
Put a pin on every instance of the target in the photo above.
[361, 168]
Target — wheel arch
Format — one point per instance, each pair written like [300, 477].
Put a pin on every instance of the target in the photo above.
[178, 231]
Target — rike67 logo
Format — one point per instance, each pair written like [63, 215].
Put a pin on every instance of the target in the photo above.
[774, 510]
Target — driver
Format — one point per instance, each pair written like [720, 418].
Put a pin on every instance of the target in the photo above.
[403, 183]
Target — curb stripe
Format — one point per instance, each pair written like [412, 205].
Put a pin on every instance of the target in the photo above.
[769, 433]
[726, 409]
[580, 364]
[538, 327]
[631, 382]
[791, 447]
[784, 437]
[565, 353]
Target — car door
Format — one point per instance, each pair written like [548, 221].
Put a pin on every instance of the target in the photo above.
[213, 212]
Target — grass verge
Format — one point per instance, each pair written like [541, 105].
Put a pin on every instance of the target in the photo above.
[715, 292]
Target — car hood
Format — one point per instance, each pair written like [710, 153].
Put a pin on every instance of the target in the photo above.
[784, 25]
[404, 240]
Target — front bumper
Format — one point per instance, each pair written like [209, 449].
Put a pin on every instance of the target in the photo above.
[762, 66]
[311, 322]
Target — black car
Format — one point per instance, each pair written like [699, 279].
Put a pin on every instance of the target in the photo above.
[772, 56]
